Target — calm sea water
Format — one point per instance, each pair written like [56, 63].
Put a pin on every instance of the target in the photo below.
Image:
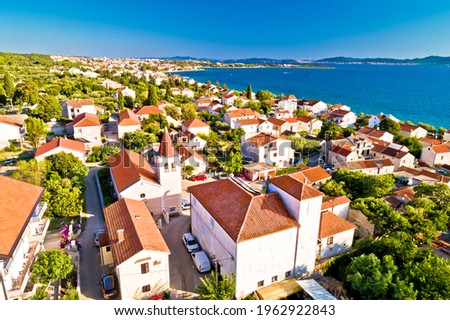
[415, 93]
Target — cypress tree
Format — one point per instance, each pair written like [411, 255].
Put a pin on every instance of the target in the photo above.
[249, 92]
[8, 85]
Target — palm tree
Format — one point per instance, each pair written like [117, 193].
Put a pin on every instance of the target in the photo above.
[217, 287]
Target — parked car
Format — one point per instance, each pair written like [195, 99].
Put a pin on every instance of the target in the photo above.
[201, 261]
[185, 204]
[9, 162]
[190, 242]
[223, 176]
[109, 289]
[96, 234]
[106, 127]
[199, 177]
[442, 172]
[156, 297]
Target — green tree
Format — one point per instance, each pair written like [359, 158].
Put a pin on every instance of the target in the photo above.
[26, 92]
[152, 95]
[333, 189]
[439, 193]
[36, 130]
[329, 130]
[71, 293]
[370, 277]
[217, 287]
[102, 153]
[234, 163]
[188, 111]
[3, 98]
[300, 112]
[48, 107]
[121, 101]
[390, 126]
[41, 294]
[249, 92]
[64, 199]
[50, 266]
[173, 112]
[138, 139]
[263, 95]
[188, 170]
[30, 172]
[128, 102]
[303, 145]
[225, 87]
[412, 143]
[67, 165]
[8, 85]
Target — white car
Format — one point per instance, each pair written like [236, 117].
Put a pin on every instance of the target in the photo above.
[201, 261]
[190, 242]
[185, 204]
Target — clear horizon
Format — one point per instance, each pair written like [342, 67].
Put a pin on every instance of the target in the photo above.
[299, 30]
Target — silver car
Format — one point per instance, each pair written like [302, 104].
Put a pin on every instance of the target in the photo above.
[190, 242]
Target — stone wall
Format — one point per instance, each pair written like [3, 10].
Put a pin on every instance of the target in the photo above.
[364, 228]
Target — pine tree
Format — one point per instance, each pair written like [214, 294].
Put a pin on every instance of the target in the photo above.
[8, 85]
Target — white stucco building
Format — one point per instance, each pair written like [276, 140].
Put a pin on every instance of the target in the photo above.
[74, 107]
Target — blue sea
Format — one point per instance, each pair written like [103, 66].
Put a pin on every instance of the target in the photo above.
[415, 93]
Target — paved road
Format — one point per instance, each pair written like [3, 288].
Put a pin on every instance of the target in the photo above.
[90, 256]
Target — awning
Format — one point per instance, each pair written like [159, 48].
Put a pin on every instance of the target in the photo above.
[315, 290]
[279, 290]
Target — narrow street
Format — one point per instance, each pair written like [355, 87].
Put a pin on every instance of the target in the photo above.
[90, 256]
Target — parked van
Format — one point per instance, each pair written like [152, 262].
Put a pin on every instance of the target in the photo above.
[201, 261]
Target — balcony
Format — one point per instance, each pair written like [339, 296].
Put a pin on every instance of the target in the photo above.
[39, 212]
[20, 282]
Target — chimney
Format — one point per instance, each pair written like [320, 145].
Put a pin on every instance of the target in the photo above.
[120, 235]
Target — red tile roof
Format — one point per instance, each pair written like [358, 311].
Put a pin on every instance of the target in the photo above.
[299, 190]
[408, 127]
[148, 110]
[432, 141]
[18, 200]
[128, 118]
[311, 175]
[186, 153]
[249, 122]
[60, 143]
[277, 122]
[331, 202]
[128, 167]
[84, 120]
[441, 148]
[262, 139]
[194, 123]
[291, 120]
[246, 112]
[246, 216]
[331, 224]
[305, 119]
[344, 151]
[139, 230]
[11, 119]
[78, 103]
[166, 148]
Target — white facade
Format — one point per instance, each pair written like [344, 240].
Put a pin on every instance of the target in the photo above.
[276, 153]
[433, 158]
[92, 134]
[318, 108]
[122, 129]
[78, 154]
[335, 244]
[132, 280]
[374, 121]
[447, 136]
[289, 105]
[196, 130]
[71, 112]
[10, 132]
[310, 126]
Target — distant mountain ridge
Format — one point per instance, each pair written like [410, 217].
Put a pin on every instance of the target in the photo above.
[431, 60]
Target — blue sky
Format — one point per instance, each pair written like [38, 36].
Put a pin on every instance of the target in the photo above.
[302, 29]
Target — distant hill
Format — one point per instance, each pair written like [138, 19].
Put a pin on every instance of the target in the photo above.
[234, 61]
[431, 60]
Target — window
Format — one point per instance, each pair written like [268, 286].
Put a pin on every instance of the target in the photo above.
[166, 167]
[172, 209]
[146, 288]
[173, 166]
[287, 274]
[330, 240]
[145, 268]
[275, 154]
[260, 283]
[108, 248]
[274, 278]
[142, 195]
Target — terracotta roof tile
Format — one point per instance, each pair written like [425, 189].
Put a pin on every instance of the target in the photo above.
[249, 122]
[247, 216]
[344, 151]
[166, 148]
[128, 118]
[139, 230]
[84, 120]
[299, 190]
[12, 119]
[78, 103]
[331, 202]
[311, 175]
[186, 153]
[195, 123]
[408, 127]
[18, 200]
[305, 119]
[291, 120]
[148, 110]
[262, 139]
[331, 224]
[128, 167]
[442, 148]
[277, 122]
[67, 144]
[246, 112]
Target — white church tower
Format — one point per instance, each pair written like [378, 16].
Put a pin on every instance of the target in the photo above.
[168, 172]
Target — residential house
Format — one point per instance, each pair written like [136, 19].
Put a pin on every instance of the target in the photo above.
[232, 116]
[414, 176]
[374, 121]
[436, 155]
[175, 91]
[87, 128]
[189, 157]
[338, 205]
[203, 103]
[128, 122]
[188, 93]
[373, 133]
[446, 136]
[312, 176]
[228, 99]
[281, 113]
[341, 154]
[279, 125]
[157, 184]
[145, 111]
[309, 124]
[270, 149]
[315, 107]
[250, 126]
[137, 249]
[126, 92]
[72, 108]
[409, 130]
[335, 235]
[398, 157]
[429, 141]
[190, 140]
[288, 104]
[195, 126]
[343, 118]
[371, 166]
[23, 231]
[339, 106]
[77, 148]
[110, 84]
[12, 127]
